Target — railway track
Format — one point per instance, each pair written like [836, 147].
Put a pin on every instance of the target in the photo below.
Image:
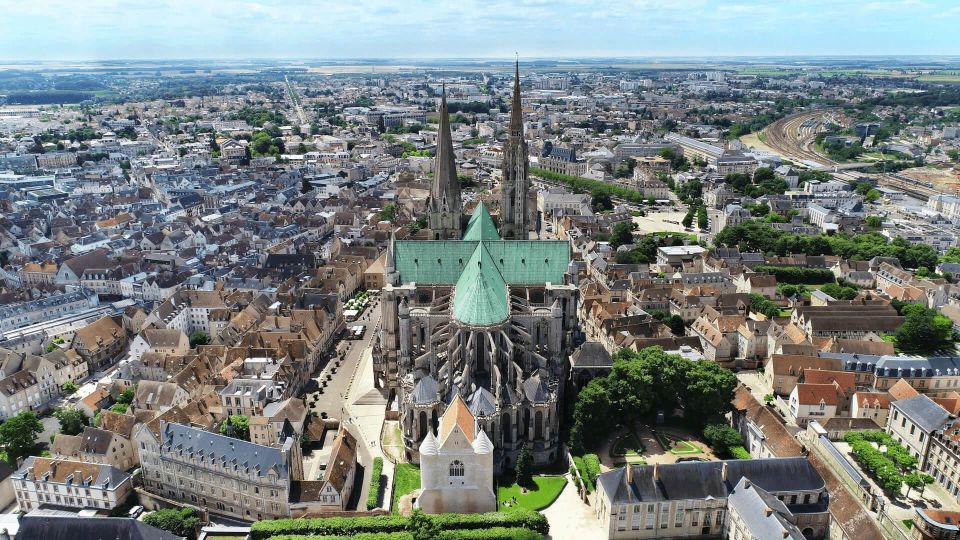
[793, 137]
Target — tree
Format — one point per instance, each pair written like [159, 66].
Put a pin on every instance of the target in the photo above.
[722, 438]
[524, 467]
[179, 521]
[913, 481]
[199, 338]
[702, 220]
[236, 426]
[72, 420]
[422, 526]
[688, 219]
[874, 222]
[389, 212]
[126, 396]
[69, 387]
[924, 330]
[622, 234]
[18, 435]
[306, 186]
[708, 390]
[600, 201]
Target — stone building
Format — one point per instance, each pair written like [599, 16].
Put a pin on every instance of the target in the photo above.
[485, 319]
[456, 468]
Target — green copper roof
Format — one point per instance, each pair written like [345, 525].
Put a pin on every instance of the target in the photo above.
[480, 296]
[519, 262]
[481, 226]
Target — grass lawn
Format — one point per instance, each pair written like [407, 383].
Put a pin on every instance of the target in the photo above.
[675, 445]
[684, 447]
[406, 478]
[627, 446]
[547, 490]
[908, 523]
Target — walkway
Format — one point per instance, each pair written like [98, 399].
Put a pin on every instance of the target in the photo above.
[571, 519]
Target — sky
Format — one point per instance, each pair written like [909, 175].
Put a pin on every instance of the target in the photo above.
[171, 29]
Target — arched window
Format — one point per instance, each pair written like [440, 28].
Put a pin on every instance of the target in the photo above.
[456, 468]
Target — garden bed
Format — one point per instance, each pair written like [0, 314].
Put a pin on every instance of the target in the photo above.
[627, 446]
[675, 445]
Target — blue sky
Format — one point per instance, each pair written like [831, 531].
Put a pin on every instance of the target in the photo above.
[112, 29]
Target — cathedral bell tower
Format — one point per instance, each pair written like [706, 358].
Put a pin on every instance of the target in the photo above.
[445, 207]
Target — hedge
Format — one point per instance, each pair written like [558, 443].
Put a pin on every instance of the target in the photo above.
[739, 452]
[352, 526]
[373, 498]
[494, 533]
[361, 536]
[592, 463]
[582, 467]
[797, 275]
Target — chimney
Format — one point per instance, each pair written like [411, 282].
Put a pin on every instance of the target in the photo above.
[767, 511]
[786, 534]
[656, 472]
[629, 473]
[724, 471]
[77, 478]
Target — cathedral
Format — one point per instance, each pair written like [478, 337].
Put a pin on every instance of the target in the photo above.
[483, 316]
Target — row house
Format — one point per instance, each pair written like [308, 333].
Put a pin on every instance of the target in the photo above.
[41, 482]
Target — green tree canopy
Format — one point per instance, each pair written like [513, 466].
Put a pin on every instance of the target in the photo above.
[622, 234]
[72, 420]
[199, 338]
[236, 426]
[524, 467]
[18, 435]
[179, 521]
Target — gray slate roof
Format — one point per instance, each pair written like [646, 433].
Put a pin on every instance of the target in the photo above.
[700, 480]
[212, 446]
[923, 411]
[55, 527]
[751, 503]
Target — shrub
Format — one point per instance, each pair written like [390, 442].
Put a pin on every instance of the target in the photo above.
[582, 468]
[352, 526]
[739, 452]
[361, 536]
[592, 464]
[373, 498]
[495, 533]
[179, 521]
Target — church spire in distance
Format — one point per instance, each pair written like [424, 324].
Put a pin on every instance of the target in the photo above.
[445, 205]
[513, 190]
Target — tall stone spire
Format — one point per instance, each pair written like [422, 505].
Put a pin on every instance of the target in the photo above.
[513, 192]
[446, 207]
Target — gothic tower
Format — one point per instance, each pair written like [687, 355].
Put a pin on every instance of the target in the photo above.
[445, 209]
[513, 194]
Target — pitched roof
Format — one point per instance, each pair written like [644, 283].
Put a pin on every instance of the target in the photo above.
[480, 296]
[343, 458]
[902, 390]
[457, 415]
[480, 226]
[923, 411]
[813, 394]
[60, 527]
[520, 262]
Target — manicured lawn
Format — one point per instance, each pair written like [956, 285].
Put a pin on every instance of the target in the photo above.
[406, 478]
[676, 445]
[627, 446]
[547, 490]
[684, 447]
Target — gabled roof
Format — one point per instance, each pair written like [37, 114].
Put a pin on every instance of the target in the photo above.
[480, 297]
[923, 411]
[480, 226]
[457, 415]
[520, 262]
